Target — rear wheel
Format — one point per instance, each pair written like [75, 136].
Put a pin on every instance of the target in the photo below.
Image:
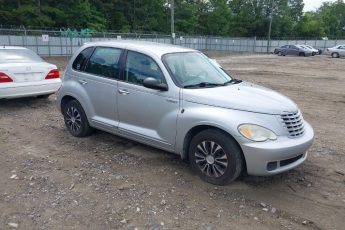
[215, 157]
[335, 55]
[76, 120]
[302, 54]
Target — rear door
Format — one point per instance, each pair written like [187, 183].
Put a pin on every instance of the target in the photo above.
[99, 78]
[288, 50]
[294, 50]
[145, 114]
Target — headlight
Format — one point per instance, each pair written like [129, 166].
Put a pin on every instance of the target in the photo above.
[256, 133]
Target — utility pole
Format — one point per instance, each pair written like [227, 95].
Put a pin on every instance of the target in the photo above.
[269, 34]
[172, 8]
[270, 28]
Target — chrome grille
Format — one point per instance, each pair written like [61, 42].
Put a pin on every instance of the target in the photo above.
[293, 123]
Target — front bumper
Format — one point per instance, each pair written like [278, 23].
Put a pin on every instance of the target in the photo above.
[287, 152]
[29, 89]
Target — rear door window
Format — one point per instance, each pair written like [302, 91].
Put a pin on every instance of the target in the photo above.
[104, 62]
[81, 59]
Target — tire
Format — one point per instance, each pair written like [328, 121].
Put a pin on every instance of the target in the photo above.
[302, 54]
[335, 55]
[279, 53]
[75, 119]
[220, 164]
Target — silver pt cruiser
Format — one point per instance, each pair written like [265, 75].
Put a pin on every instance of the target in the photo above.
[178, 100]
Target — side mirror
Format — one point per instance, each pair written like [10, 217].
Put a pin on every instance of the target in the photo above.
[153, 83]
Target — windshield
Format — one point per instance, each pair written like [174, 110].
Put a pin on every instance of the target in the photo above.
[195, 69]
[18, 56]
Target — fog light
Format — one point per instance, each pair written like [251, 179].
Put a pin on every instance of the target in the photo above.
[272, 166]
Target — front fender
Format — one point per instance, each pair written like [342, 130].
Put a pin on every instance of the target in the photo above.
[225, 119]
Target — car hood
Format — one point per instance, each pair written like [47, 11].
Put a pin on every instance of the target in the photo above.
[243, 96]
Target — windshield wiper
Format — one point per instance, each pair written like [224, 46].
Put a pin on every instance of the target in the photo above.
[233, 81]
[203, 85]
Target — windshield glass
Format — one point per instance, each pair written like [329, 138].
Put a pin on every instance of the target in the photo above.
[195, 69]
[18, 56]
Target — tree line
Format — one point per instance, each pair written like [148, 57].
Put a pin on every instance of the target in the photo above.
[245, 18]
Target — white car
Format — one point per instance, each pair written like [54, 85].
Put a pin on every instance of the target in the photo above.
[306, 49]
[315, 51]
[336, 51]
[24, 74]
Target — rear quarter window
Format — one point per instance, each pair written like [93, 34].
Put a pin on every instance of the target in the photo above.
[81, 59]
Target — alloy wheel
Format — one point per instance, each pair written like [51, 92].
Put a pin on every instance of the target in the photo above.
[73, 119]
[211, 159]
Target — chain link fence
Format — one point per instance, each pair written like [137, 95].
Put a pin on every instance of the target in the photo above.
[65, 43]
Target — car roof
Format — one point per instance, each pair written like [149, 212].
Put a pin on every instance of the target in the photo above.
[155, 48]
[12, 48]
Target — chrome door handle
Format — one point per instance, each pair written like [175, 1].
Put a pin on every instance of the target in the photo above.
[83, 82]
[123, 91]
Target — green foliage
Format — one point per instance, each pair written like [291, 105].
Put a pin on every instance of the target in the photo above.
[207, 17]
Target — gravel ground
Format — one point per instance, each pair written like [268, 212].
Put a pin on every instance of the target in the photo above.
[51, 180]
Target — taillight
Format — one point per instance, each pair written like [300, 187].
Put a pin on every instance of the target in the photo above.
[4, 78]
[53, 74]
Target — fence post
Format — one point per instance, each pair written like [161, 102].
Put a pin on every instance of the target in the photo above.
[36, 43]
[26, 38]
[49, 48]
[61, 45]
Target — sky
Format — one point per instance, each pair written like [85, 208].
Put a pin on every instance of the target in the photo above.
[314, 4]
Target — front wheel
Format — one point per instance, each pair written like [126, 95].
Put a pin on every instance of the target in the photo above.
[335, 55]
[76, 120]
[215, 157]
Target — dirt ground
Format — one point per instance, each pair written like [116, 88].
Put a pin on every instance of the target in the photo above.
[51, 180]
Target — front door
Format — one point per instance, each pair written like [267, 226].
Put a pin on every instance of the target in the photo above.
[145, 114]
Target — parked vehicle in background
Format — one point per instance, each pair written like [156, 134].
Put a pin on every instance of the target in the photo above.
[305, 51]
[336, 51]
[178, 100]
[292, 50]
[24, 74]
[314, 50]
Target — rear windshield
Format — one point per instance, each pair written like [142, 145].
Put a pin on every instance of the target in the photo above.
[18, 56]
